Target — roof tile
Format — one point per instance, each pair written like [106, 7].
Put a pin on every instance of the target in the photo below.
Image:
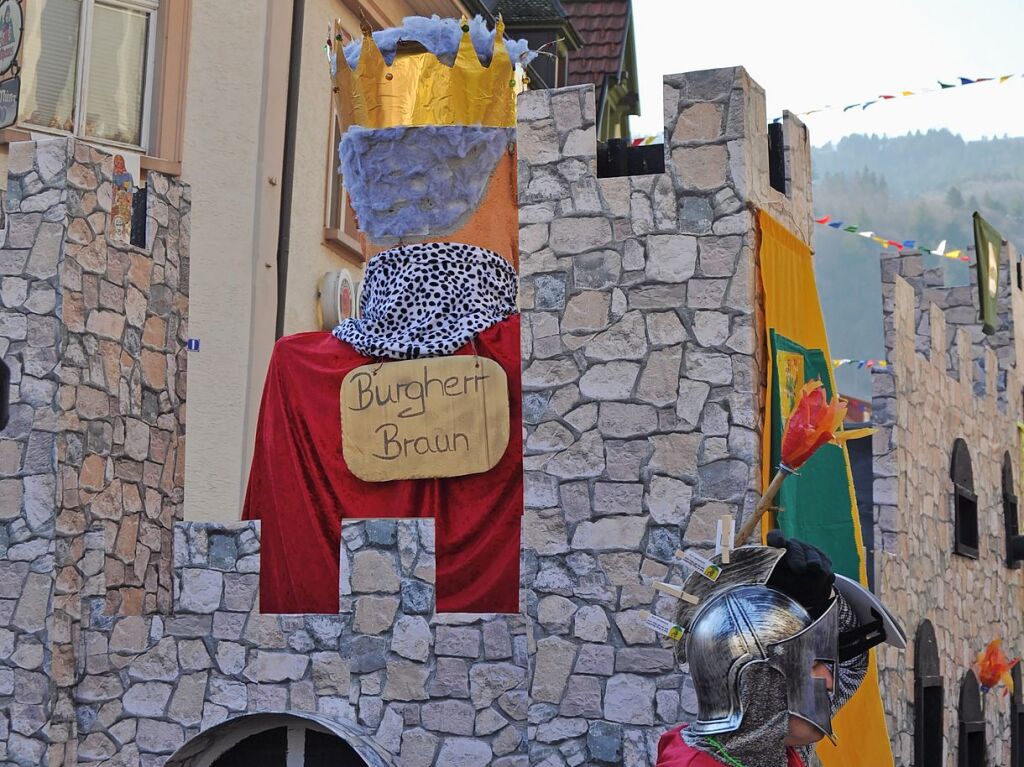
[602, 25]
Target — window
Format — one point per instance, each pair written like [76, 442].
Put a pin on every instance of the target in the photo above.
[965, 502]
[972, 751]
[87, 68]
[340, 220]
[928, 699]
[1010, 519]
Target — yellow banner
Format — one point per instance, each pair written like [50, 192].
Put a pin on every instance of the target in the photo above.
[792, 308]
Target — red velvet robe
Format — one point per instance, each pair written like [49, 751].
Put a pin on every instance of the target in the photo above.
[300, 487]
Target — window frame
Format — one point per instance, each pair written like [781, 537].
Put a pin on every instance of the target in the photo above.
[85, 24]
[962, 477]
[1011, 511]
[344, 240]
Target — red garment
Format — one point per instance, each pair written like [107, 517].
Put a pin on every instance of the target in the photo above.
[673, 752]
[300, 487]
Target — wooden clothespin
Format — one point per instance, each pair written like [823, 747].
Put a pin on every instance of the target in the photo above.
[676, 591]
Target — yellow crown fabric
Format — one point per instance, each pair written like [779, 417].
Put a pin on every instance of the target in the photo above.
[418, 89]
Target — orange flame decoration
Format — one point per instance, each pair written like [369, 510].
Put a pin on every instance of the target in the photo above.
[994, 667]
[814, 422]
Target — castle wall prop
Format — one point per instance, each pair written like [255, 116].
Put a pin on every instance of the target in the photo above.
[641, 368]
[945, 380]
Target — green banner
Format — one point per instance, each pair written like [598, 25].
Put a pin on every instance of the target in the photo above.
[814, 505]
[987, 245]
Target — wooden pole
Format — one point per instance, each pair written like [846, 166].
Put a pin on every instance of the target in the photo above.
[762, 506]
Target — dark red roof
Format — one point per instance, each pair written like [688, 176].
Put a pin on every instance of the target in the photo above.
[602, 25]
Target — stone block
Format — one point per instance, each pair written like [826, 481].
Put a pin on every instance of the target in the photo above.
[411, 638]
[200, 590]
[629, 699]
[604, 741]
[374, 571]
[147, 699]
[623, 340]
[451, 716]
[552, 666]
[591, 624]
[457, 641]
[464, 752]
[626, 420]
[609, 533]
[374, 615]
[659, 380]
[701, 168]
[450, 679]
[669, 500]
[555, 613]
[405, 681]
[583, 459]
[586, 312]
[610, 381]
[158, 737]
[578, 235]
[698, 122]
[710, 367]
[671, 257]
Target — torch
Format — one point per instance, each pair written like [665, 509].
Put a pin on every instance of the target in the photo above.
[994, 667]
[813, 422]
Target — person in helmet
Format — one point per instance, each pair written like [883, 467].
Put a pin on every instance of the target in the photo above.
[775, 648]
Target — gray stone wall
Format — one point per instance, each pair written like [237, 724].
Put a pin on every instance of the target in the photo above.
[945, 380]
[91, 482]
[642, 372]
[642, 378]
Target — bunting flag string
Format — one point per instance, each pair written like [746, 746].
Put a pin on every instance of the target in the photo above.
[860, 364]
[958, 82]
[885, 242]
[645, 140]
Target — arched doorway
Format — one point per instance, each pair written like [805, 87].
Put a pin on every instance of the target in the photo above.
[1017, 721]
[928, 699]
[282, 740]
[973, 751]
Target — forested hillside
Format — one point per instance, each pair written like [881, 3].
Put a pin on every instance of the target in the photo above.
[922, 186]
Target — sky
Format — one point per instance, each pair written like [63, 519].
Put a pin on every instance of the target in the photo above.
[809, 54]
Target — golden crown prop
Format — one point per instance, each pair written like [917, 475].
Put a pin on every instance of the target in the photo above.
[419, 89]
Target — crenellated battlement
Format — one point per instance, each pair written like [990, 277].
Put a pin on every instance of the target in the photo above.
[944, 323]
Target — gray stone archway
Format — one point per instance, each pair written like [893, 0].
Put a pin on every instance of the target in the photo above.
[205, 748]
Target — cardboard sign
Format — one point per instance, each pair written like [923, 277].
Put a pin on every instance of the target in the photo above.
[662, 626]
[438, 417]
[700, 564]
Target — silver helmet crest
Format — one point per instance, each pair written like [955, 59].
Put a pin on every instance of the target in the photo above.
[755, 624]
